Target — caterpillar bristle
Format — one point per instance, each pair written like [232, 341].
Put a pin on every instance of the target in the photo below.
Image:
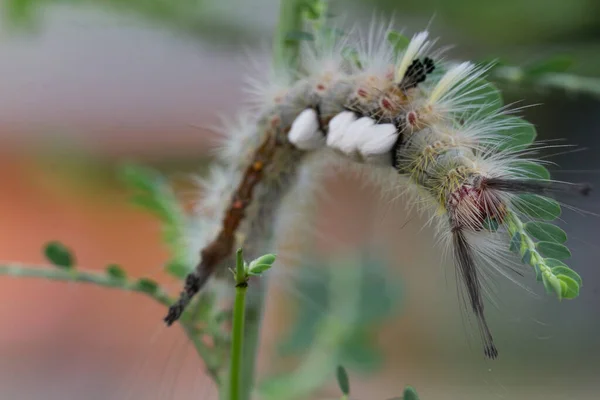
[465, 263]
[534, 186]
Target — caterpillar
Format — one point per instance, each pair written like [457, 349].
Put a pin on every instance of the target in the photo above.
[410, 119]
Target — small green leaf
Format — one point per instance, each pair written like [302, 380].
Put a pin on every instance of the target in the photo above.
[352, 56]
[490, 224]
[59, 255]
[116, 272]
[546, 232]
[518, 135]
[298, 36]
[552, 284]
[538, 207]
[177, 269]
[538, 272]
[569, 288]
[552, 262]
[147, 285]
[398, 41]
[258, 269]
[531, 170]
[564, 270]
[559, 63]
[553, 250]
[313, 9]
[138, 177]
[410, 393]
[515, 242]
[342, 379]
[527, 257]
[268, 259]
[483, 96]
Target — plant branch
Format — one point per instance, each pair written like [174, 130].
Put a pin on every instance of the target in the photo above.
[550, 80]
[237, 343]
[285, 49]
[74, 275]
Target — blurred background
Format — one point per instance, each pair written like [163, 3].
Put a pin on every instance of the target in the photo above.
[86, 84]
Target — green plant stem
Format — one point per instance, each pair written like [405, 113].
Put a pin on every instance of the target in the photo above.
[285, 51]
[75, 275]
[551, 80]
[237, 340]
[254, 317]
[285, 56]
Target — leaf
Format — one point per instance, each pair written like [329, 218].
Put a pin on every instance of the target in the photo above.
[531, 170]
[538, 272]
[517, 135]
[297, 36]
[141, 178]
[147, 285]
[559, 63]
[569, 288]
[527, 257]
[546, 232]
[359, 350]
[490, 224]
[553, 250]
[313, 9]
[410, 393]
[483, 96]
[59, 255]
[177, 269]
[566, 271]
[116, 272]
[537, 206]
[552, 284]
[398, 41]
[552, 262]
[258, 269]
[515, 242]
[342, 379]
[352, 56]
[268, 259]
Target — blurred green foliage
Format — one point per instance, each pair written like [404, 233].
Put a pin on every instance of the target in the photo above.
[379, 295]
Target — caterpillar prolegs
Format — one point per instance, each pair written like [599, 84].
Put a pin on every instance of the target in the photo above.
[403, 113]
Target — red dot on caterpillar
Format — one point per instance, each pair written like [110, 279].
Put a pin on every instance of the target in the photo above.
[321, 87]
[387, 104]
[361, 93]
[411, 118]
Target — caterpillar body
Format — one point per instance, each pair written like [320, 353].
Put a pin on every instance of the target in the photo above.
[406, 116]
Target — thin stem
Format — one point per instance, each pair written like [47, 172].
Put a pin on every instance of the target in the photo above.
[237, 340]
[254, 317]
[550, 80]
[285, 57]
[75, 275]
[285, 51]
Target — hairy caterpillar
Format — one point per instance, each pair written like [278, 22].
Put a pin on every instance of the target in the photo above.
[409, 118]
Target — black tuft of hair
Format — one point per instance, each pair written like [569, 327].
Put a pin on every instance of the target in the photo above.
[536, 186]
[416, 73]
[463, 255]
